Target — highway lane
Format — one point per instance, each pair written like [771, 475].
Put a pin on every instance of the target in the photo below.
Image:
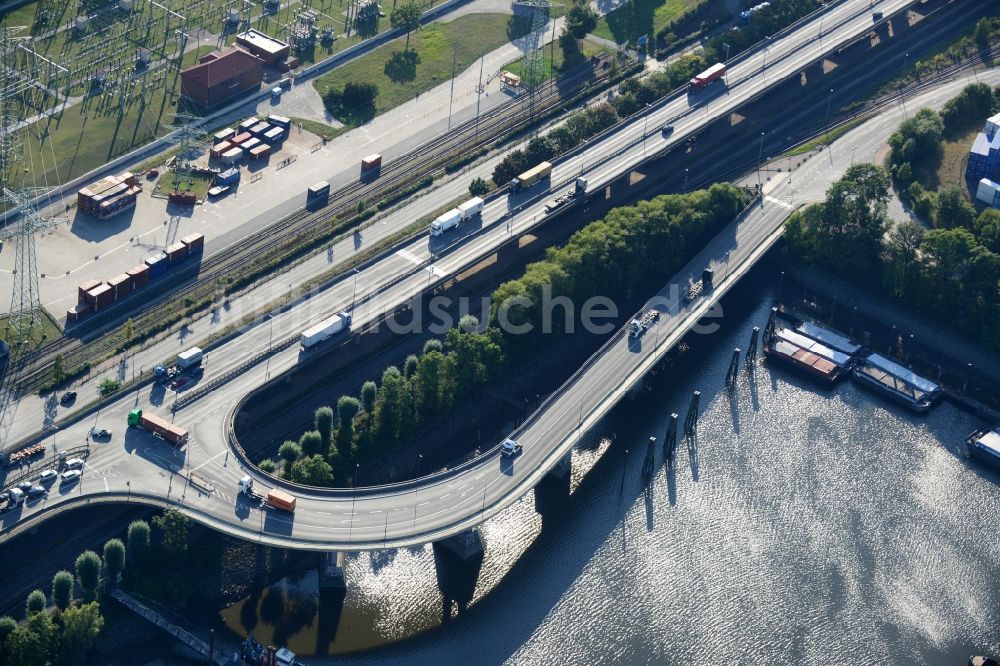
[783, 57]
[125, 466]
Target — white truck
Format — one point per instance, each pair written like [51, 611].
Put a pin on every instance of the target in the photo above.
[456, 216]
[189, 358]
[327, 328]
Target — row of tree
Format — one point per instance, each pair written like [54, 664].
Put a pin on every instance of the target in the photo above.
[387, 414]
[950, 275]
[762, 24]
[633, 94]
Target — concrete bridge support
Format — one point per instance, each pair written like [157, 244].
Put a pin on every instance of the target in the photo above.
[332, 575]
[552, 493]
[466, 545]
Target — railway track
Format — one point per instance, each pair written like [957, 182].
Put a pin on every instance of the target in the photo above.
[205, 280]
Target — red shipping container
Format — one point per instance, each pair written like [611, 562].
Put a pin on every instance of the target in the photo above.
[101, 297]
[83, 296]
[140, 275]
[121, 285]
[176, 252]
[240, 138]
[194, 242]
[77, 312]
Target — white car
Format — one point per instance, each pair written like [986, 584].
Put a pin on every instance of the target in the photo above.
[48, 476]
[510, 448]
[71, 476]
[74, 463]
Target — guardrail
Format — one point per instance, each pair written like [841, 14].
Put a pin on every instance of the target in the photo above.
[28, 470]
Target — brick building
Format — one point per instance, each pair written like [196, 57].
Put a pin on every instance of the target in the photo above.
[222, 75]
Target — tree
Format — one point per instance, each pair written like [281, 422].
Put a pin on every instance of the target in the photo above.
[988, 229]
[313, 471]
[347, 408]
[34, 643]
[81, 625]
[7, 627]
[580, 20]
[983, 33]
[479, 187]
[175, 526]
[35, 603]
[62, 590]
[58, 370]
[359, 97]
[369, 392]
[394, 408]
[138, 542]
[311, 443]
[410, 365]
[88, 573]
[107, 386]
[267, 465]
[289, 452]
[900, 255]
[114, 559]
[323, 420]
[433, 345]
[433, 384]
[954, 210]
[128, 331]
[406, 18]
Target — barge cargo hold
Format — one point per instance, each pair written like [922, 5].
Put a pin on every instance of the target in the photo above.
[985, 446]
[897, 382]
[800, 352]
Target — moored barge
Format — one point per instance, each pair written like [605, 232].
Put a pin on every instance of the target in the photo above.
[985, 446]
[897, 382]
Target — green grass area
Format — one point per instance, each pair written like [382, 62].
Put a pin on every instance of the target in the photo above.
[402, 75]
[825, 139]
[44, 330]
[197, 184]
[642, 17]
[321, 130]
[192, 55]
[951, 169]
[554, 62]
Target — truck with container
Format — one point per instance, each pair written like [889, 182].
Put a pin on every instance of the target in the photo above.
[716, 72]
[533, 175]
[325, 329]
[187, 360]
[699, 289]
[159, 426]
[318, 195]
[471, 208]
[446, 221]
[15, 498]
[274, 498]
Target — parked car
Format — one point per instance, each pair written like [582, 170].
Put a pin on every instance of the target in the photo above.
[510, 448]
[103, 433]
[24, 485]
[68, 398]
[71, 476]
[75, 463]
[48, 476]
[667, 130]
[36, 491]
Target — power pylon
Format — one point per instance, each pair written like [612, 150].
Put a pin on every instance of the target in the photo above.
[25, 306]
[533, 68]
[190, 140]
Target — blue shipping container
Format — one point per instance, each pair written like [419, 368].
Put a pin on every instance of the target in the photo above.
[158, 264]
[228, 177]
[274, 135]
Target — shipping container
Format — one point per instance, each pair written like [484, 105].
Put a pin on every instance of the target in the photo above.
[240, 138]
[279, 499]
[140, 275]
[77, 312]
[318, 195]
[716, 72]
[101, 297]
[248, 123]
[259, 129]
[371, 162]
[536, 173]
[250, 144]
[189, 358]
[326, 328]
[274, 135]
[158, 426]
[121, 285]
[194, 242]
[232, 156]
[220, 149]
[260, 152]
[471, 208]
[228, 177]
[280, 121]
[83, 295]
[158, 265]
[224, 134]
[176, 252]
[187, 198]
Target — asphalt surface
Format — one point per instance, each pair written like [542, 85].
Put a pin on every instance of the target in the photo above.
[136, 467]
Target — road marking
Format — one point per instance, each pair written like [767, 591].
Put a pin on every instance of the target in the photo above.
[423, 503]
[446, 496]
[106, 484]
[783, 204]
[409, 256]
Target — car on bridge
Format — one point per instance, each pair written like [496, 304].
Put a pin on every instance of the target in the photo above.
[74, 463]
[36, 491]
[71, 476]
[48, 476]
[510, 448]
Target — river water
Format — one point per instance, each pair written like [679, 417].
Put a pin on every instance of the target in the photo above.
[815, 525]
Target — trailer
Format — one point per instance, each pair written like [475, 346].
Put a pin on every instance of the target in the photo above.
[471, 208]
[190, 358]
[531, 176]
[159, 426]
[698, 289]
[640, 324]
[325, 329]
[279, 499]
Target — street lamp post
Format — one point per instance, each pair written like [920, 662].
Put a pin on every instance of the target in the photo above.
[760, 152]
[354, 498]
[829, 101]
[685, 181]
[727, 61]
[354, 298]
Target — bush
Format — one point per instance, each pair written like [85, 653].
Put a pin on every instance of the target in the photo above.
[479, 187]
[108, 386]
[311, 443]
[138, 542]
[35, 603]
[88, 573]
[114, 559]
[290, 452]
[313, 471]
[267, 465]
[62, 590]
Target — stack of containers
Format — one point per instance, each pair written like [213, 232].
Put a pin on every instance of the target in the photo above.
[280, 121]
[140, 275]
[157, 264]
[248, 123]
[176, 252]
[224, 135]
[109, 196]
[121, 286]
[274, 135]
[260, 152]
[195, 243]
[259, 129]
[219, 149]
[101, 297]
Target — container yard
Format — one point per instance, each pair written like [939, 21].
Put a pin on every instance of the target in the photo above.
[109, 196]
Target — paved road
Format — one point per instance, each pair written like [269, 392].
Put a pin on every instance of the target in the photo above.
[137, 466]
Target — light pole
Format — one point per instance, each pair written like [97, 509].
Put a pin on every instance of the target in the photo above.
[902, 86]
[685, 181]
[760, 152]
[829, 101]
[645, 127]
[354, 298]
[354, 498]
[727, 60]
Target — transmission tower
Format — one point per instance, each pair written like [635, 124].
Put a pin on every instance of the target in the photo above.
[533, 67]
[190, 140]
[25, 308]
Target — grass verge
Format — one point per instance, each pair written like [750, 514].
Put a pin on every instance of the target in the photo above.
[44, 331]
[322, 130]
[643, 17]
[825, 139]
[555, 63]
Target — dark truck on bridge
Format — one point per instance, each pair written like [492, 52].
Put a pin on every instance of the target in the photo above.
[159, 426]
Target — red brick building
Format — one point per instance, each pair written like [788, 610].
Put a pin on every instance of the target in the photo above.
[222, 75]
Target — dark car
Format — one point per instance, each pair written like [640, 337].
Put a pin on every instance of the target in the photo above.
[24, 485]
[101, 434]
[36, 491]
[667, 130]
[68, 398]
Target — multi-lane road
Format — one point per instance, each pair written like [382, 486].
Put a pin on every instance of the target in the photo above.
[135, 467]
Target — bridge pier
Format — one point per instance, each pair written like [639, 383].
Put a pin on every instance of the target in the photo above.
[552, 492]
[332, 574]
[563, 467]
[465, 545]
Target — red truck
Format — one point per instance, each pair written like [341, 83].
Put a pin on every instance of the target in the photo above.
[159, 426]
[703, 80]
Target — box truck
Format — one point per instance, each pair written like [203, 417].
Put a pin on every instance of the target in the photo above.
[330, 326]
[159, 426]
